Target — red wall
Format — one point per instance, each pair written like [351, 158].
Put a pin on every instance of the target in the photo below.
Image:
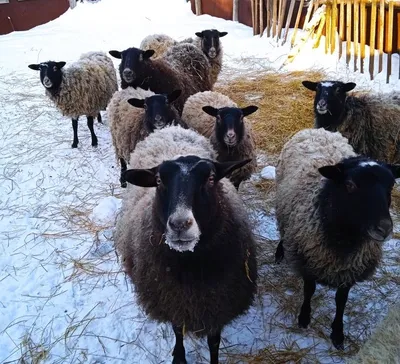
[29, 13]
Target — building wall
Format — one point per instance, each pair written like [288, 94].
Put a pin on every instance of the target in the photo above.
[27, 14]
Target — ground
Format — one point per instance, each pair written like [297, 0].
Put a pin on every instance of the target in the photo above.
[63, 296]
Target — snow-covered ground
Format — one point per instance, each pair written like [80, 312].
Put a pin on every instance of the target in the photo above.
[63, 298]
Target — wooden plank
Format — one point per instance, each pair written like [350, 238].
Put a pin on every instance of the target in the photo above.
[328, 27]
[372, 40]
[269, 13]
[356, 32]
[381, 33]
[363, 31]
[261, 17]
[197, 4]
[235, 11]
[282, 17]
[319, 31]
[390, 41]
[252, 2]
[341, 27]
[274, 16]
[348, 31]
[308, 14]
[289, 18]
[333, 25]
[296, 25]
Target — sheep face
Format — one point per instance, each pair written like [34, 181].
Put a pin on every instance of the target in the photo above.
[229, 126]
[330, 97]
[132, 60]
[50, 73]
[210, 42]
[356, 198]
[158, 112]
[186, 200]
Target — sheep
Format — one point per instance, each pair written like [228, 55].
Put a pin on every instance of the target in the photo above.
[186, 244]
[332, 208]
[370, 122]
[383, 346]
[223, 122]
[83, 88]
[129, 124]
[206, 40]
[166, 74]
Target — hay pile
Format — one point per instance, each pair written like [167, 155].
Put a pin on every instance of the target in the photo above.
[285, 105]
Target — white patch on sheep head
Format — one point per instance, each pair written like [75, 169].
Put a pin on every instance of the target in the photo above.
[368, 164]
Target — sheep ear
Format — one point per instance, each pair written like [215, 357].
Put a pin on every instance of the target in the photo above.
[249, 110]
[137, 103]
[349, 86]
[310, 85]
[147, 54]
[174, 95]
[395, 169]
[334, 173]
[60, 64]
[35, 67]
[116, 54]
[210, 110]
[222, 34]
[223, 169]
[199, 34]
[141, 177]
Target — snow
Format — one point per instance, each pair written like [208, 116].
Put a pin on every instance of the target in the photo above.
[268, 172]
[64, 297]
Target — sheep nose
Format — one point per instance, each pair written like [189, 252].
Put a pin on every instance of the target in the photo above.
[322, 103]
[127, 72]
[385, 228]
[179, 224]
[230, 134]
[158, 117]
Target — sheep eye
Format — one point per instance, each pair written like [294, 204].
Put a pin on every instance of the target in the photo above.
[337, 90]
[158, 180]
[55, 68]
[145, 106]
[211, 180]
[351, 186]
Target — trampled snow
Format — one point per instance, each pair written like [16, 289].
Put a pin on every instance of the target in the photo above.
[63, 297]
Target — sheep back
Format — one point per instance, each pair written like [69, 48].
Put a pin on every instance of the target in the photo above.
[159, 43]
[372, 125]
[298, 185]
[87, 86]
[126, 121]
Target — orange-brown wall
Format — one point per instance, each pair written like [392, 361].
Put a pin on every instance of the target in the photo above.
[29, 13]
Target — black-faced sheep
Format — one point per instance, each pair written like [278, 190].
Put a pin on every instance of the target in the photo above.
[185, 238]
[383, 346]
[217, 117]
[332, 208]
[83, 88]
[135, 113]
[370, 122]
[184, 68]
[206, 40]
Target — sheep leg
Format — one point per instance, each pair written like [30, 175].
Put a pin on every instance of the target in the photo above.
[99, 119]
[337, 335]
[280, 252]
[305, 313]
[179, 350]
[213, 344]
[124, 167]
[90, 126]
[75, 129]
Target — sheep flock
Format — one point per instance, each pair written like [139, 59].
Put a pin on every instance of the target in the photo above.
[184, 236]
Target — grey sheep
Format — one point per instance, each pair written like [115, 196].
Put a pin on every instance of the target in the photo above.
[332, 208]
[184, 237]
[135, 113]
[371, 122]
[217, 117]
[183, 67]
[83, 88]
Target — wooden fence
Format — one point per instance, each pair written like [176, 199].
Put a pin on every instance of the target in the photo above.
[362, 22]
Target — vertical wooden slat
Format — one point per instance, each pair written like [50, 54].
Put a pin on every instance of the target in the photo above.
[333, 26]
[308, 14]
[268, 18]
[235, 10]
[261, 17]
[281, 17]
[390, 41]
[321, 26]
[252, 3]
[372, 40]
[289, 18]
[328, 26]
[274, 16]
[348, 30]
[363, 31]
[381, 32]
[341, 27]
[355, 30]
[296, 25]
[197, 5]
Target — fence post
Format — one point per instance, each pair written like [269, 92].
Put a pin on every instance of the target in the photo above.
[235, 15]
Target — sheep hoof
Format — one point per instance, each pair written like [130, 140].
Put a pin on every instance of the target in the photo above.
[74, 145]
[337, 340]
[303, 321]
[94, 143]
[280, 253]
[179, 361]
[124, 184]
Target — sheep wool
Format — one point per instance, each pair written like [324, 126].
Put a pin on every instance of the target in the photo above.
[159, 43]
[87, 86]
[298, 185]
